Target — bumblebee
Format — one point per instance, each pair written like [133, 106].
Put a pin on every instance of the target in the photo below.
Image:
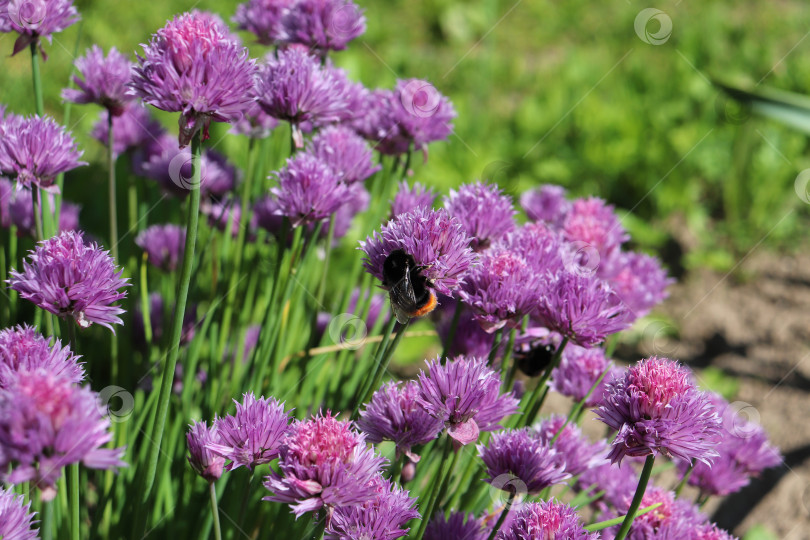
[410, 292]
[534, 361]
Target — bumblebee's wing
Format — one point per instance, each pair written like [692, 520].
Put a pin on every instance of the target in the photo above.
[403, 299]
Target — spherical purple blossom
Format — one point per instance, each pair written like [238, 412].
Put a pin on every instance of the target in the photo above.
[69, 278]
[345, 152]
[594, 223]
[322, 25]
[578, 453]
[546, 521]
[22, 348]
[253, 435]
[16, 518]
[484, 210]
[436, 241]
[581, 307]
[465, 395]
[163, 244]
[546, 203]
[47, 423]
[458, 526]
[134, 128]
[382, 518]
[192, 66]
[34, 150]
[657, 409]
[295, 87]
[105, 80]
[393, 414]
[262, 18]
[308, 190]
[35, 19]
[579, 369]
[638, 279]
[323, 462]
[744, 451]
[204, 462]
[675, 518]
[255, 124]
[409, 199]
[503, 288]
[522, 464]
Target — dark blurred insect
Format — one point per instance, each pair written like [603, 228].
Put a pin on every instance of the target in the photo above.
[535, 360]
[410, 292]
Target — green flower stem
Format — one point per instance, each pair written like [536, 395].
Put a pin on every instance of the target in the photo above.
[504, 513]
[113, 209]
[535, 401]
[167, 375]
[145, 304]
[510, 379]
[73, 499]
[47, 520]
[212, 491]
[642, 487]
[38, 101]
[684, 480]
[574, 415]
[378, 358]
[434, 488]
[615, 521]
[451, 335]
[496, 344]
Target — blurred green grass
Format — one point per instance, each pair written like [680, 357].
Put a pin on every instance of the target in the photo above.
[552, 92]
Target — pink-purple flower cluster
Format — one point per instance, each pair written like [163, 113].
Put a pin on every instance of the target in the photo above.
[16, 519]
[36, 19]
[103, 80]
[546, 520]
[24, 349]
[163, 245]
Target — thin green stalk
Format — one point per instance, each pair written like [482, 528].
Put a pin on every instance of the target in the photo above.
[684, 480]
[504, 513]
[507, 355]
[167, 375]
[435, 487]
[534, 401]
[113, 210]
[40, 106]
[496, 344]
[378, 356]
[593, 527]
[578, 407]
[212, 491]
[451, 335]
[47, 521]
[145, 304]
[640, 489]
[73, 485]
[37, 198]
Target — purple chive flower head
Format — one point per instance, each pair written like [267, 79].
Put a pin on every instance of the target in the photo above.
[34, 150]
[134, 128]
[522, 464]
[323, 25]
[22, 348]
[262, 18]
[16, 518]
[675, 518]
[393, 414]
[579, 369]
[308, 190]
[163, 244]
[503, 288]
[72, 279]
[464, 394]
[594, 223]
[295, 87]
[547, 204]
[710, 531]
[457, 525]
[382, 518]
[436, 241]
[35, 19]
[253, 435]
[409, 199]
[204, 462]
[47, 423]
[323, 462]
[192, 66]
[639, 281]
[103, 81]
[581, 307]
[346, 153]
[657, 409]
[484, 210]
[578, 453]
[546, 521]
[744, 451]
